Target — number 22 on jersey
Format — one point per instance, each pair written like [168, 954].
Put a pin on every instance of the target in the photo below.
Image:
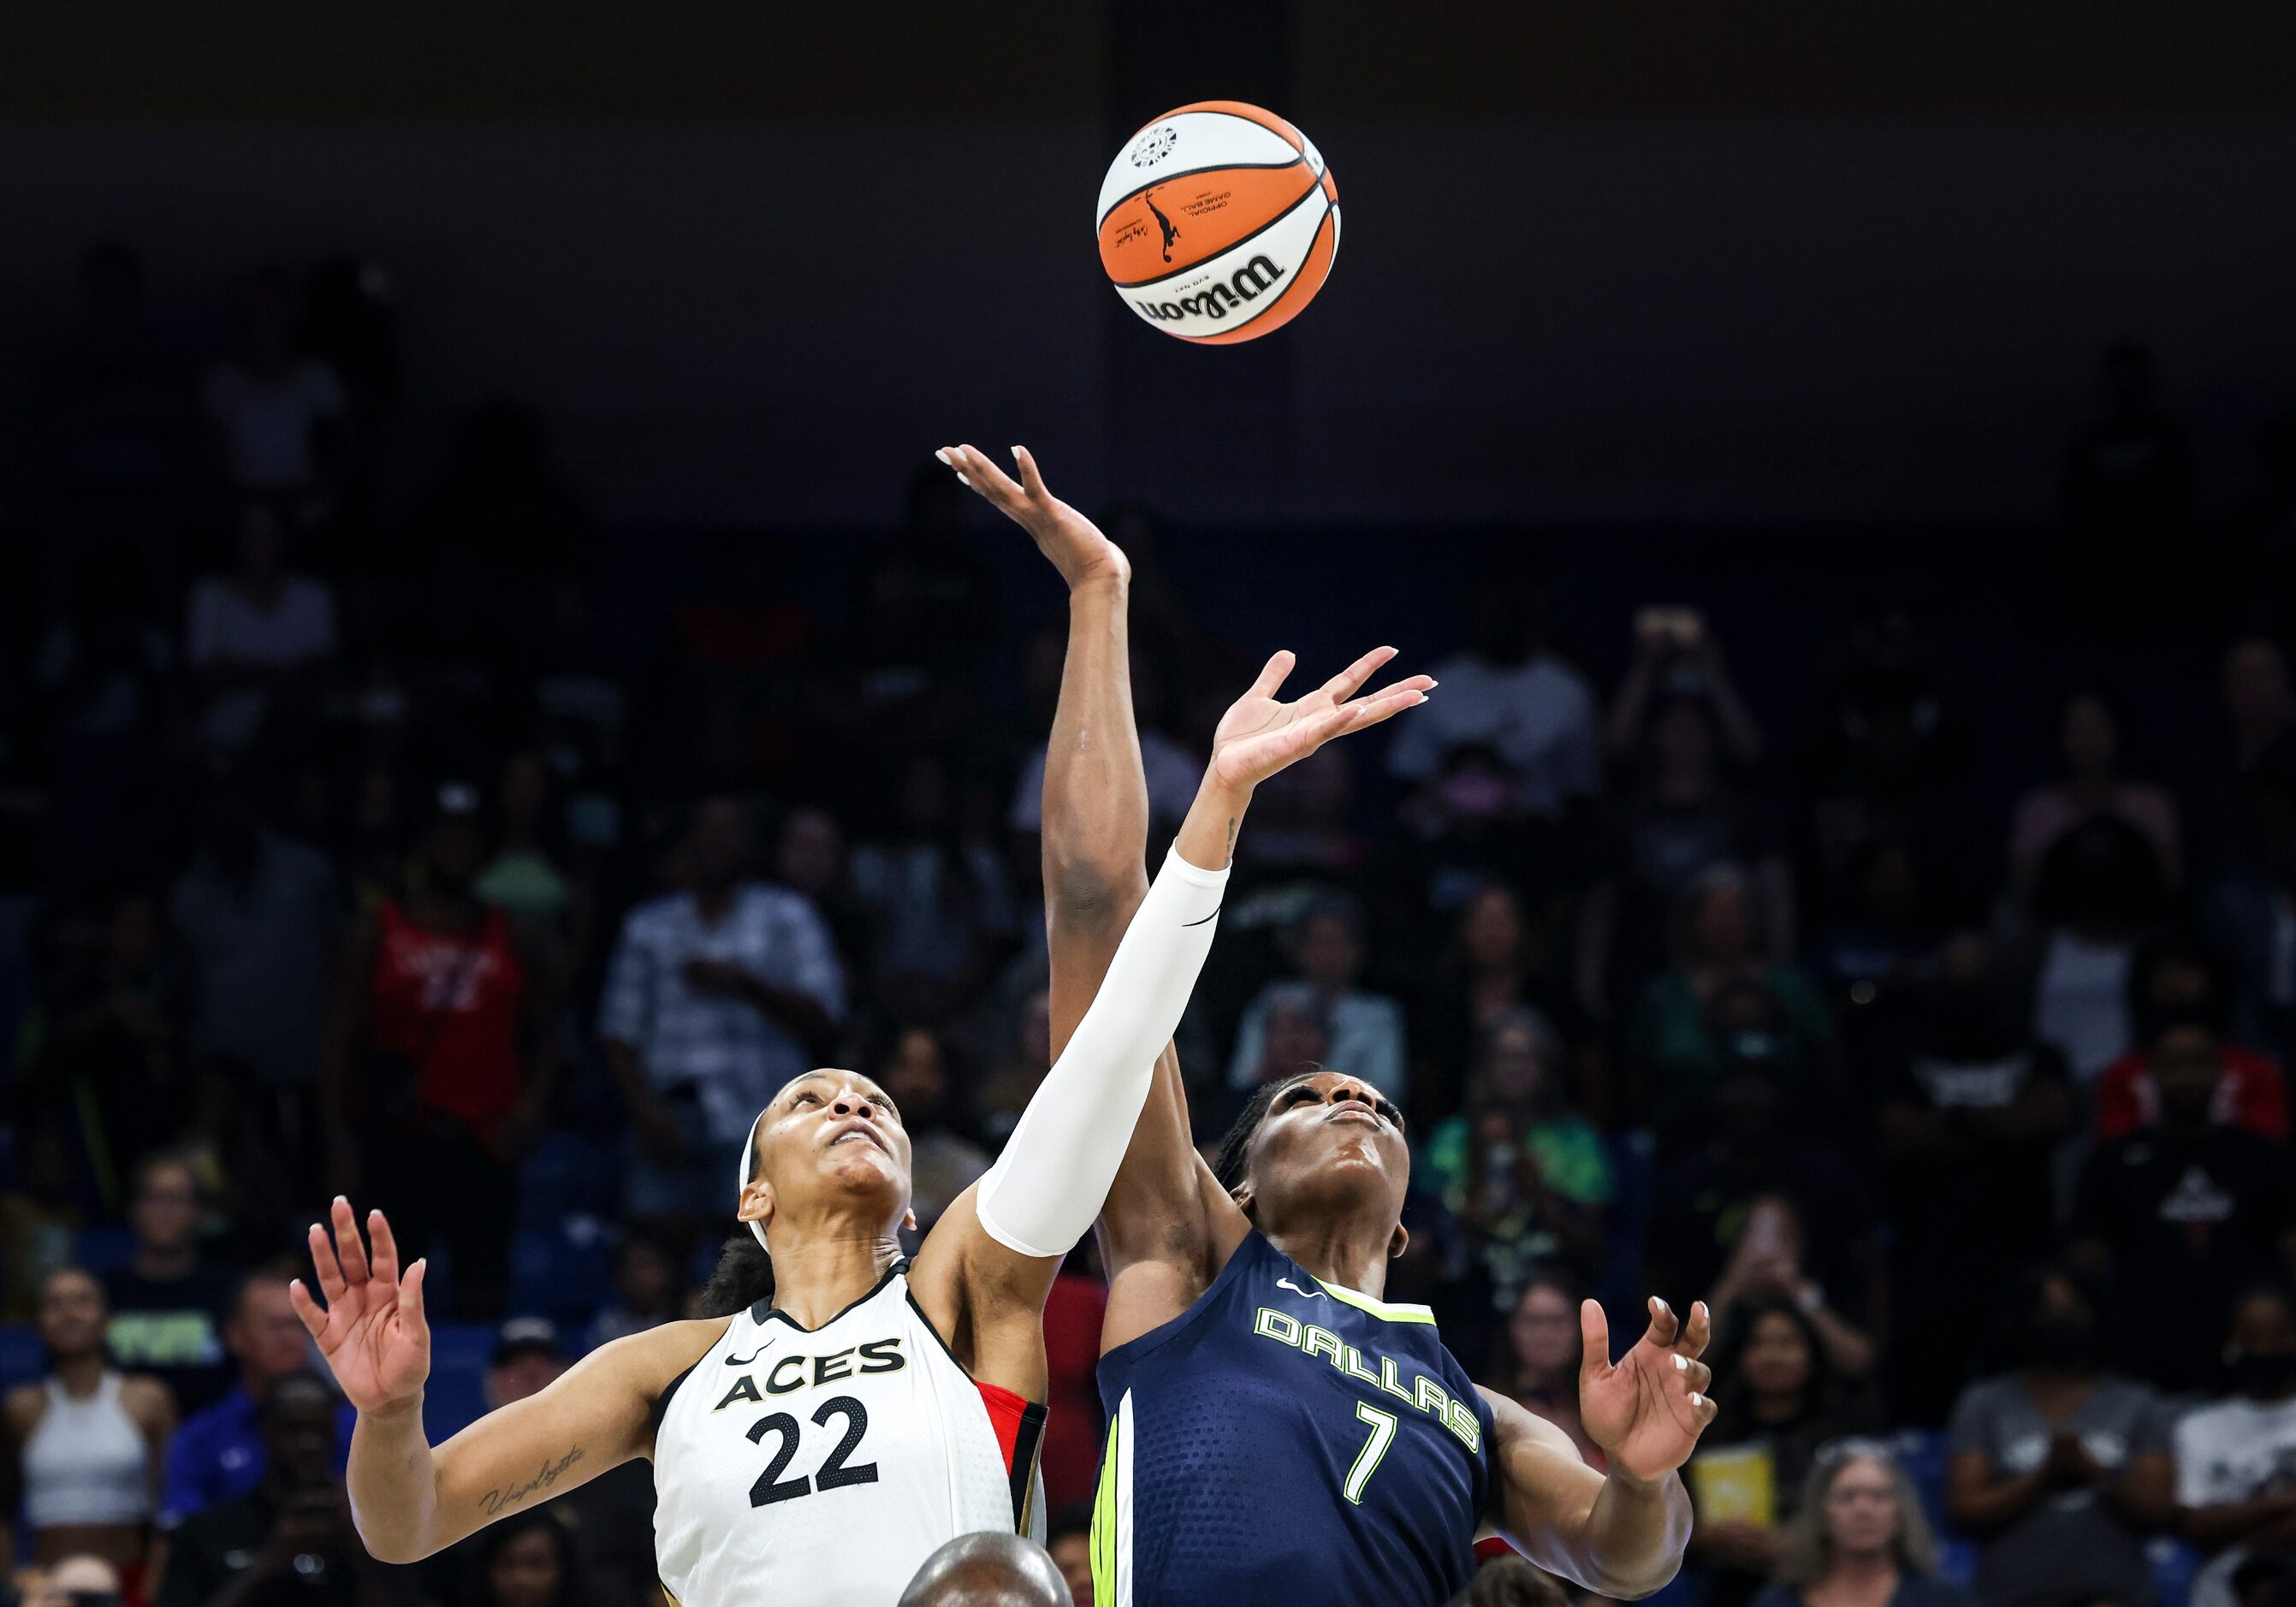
[834, 1474]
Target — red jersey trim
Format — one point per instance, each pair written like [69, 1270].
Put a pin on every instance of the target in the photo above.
[1018, 1424]
[1020, 1429]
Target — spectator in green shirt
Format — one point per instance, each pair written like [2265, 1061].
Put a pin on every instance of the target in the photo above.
[1527, 1174]
[1721, 1002]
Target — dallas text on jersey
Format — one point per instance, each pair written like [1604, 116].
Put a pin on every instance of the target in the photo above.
[1424, 1394]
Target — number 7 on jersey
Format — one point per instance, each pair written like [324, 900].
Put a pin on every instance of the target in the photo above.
[1383, 1434]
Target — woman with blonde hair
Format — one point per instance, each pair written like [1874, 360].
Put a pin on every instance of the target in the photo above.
[1859, 1538]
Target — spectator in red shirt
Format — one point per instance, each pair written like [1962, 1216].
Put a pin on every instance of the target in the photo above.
[2176, 982]
[442, 1057]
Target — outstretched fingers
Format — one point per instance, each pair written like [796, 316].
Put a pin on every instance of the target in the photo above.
[410, 1291]
[1031, 482]
[1698, 1332]
[1703, 1410]
[382, 1253]
[1593, 1341]
[1382, 706]
[1272, 674]
[1310, 732]
[1342, 685]
[978, 470]
[350, 1250]
[314, 1314]
[323, 1264]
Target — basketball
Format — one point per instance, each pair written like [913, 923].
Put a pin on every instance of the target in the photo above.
[1217, 222]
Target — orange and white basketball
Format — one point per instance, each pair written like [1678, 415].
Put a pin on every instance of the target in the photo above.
[1218, 222]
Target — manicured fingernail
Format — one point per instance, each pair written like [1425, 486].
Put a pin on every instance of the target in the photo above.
[1662, 1305]
[963, 478]
[1696, 1399]
[1681, 1363]
[1016, 455]
[941, 453]
[316, 1228]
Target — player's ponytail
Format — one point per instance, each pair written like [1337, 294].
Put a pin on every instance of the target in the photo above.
[743, 1277]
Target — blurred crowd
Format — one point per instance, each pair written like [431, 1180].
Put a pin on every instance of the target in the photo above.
[344, 849]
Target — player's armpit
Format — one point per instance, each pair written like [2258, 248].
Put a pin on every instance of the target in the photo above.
[596, 1416]
[986, 1302]
[1618, 1539]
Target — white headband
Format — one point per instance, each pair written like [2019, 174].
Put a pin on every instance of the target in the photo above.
[741, 1177]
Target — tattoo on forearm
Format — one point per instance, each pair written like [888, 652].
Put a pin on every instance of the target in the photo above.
[1231, 836]
[510, 1494]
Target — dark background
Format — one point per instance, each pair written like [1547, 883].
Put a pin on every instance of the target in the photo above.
[1790, 313]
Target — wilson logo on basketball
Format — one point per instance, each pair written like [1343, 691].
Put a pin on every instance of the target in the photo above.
[1216, 300]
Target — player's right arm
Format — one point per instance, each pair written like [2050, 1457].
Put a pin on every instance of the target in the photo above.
[1154, 1228]
[1622, 1534]
[1166, 1226]
[410, 1499]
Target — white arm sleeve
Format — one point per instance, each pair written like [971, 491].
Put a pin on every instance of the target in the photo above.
[1048, 1185]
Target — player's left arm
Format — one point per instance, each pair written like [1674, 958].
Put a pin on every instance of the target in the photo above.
[1621, 1535]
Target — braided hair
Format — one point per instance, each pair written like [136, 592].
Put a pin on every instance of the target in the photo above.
[744, 1276]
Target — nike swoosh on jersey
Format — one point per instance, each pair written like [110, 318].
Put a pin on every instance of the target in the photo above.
[743, 1361]
[1312, 1294]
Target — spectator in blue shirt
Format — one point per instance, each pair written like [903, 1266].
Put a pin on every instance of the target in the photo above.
[1328, 948]
[217, 1454]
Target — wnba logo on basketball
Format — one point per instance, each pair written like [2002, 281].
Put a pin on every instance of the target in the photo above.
[1156, 143]
[1217, 300]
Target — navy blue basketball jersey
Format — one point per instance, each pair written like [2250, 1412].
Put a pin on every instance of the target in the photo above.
[1286, 1440]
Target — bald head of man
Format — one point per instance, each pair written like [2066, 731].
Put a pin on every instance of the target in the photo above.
[988, 1570]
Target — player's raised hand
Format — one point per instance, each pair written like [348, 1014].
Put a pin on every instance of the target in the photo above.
[1071, 541]
[371, 1330]
[1647, 1411]
[1261, 735]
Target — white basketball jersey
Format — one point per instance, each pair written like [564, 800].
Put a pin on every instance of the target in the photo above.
[823, 1468]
